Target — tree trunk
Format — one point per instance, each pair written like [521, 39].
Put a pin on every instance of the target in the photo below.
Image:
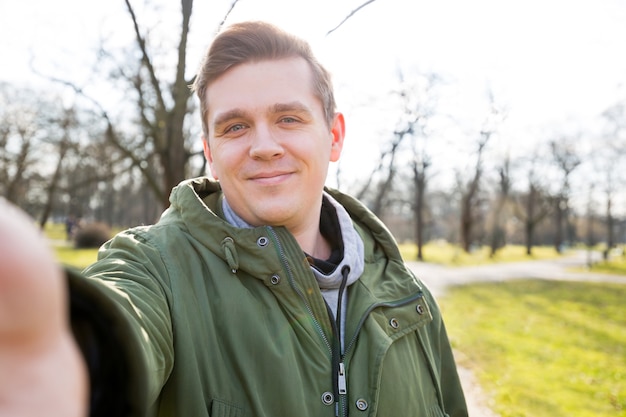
[419, 178]
[54, 182]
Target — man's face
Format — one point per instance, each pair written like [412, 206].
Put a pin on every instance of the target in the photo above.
[269, 144]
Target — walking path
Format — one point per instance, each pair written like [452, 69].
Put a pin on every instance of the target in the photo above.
[438, 278]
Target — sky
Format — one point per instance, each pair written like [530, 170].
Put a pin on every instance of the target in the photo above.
[554, 65]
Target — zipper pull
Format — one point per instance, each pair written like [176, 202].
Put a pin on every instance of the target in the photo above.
[342, 379]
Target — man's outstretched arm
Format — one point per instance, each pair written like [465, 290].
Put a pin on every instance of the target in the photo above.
[42, 372]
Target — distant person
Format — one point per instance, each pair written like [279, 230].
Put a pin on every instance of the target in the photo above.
[259, 293]
[70, 225]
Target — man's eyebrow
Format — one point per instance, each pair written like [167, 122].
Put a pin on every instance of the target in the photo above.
[291, 106]
[229, 115]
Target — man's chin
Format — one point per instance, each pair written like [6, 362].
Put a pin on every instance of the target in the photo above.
[272, 214]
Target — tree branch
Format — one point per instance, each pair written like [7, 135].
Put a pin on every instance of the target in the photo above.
[223, 22]
[141, 42]
[349, 16]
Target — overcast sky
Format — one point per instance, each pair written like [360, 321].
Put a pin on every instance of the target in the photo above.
[553, 64]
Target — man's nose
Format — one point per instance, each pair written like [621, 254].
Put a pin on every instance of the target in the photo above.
[265, 143]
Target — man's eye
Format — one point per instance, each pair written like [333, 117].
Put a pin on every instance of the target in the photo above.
[289, 120]
[235, 128]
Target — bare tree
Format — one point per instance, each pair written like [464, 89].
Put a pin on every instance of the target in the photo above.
[163, 103]
[24, 118]
[470, 193]
[161, 148]
[416, 101]
[470, 200]
[421, 164]
[425, 107]
[18, 131]
[376, 187]
[590, 241]
[611, 154]
[40, 151]
[498, 234]
[567, 160]
[533, 206]
[380, 181]
[608, 164]
[63, 145]
[163, 112]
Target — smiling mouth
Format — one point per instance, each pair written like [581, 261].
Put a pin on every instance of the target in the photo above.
[270, 177]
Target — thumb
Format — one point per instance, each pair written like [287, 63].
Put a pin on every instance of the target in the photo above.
[42, 370]
[33, 303]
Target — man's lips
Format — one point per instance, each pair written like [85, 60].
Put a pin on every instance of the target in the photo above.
[270, 177]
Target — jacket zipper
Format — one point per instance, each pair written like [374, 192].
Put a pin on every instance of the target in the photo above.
[292, 283]
[338, 354]
[342, 375]
[338, 366]
[339, 375]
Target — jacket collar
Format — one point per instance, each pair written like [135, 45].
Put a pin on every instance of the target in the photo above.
[198, 203]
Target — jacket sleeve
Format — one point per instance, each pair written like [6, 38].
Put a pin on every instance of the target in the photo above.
[120, 317]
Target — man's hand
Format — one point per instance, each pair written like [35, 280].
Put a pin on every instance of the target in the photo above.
[42, 372]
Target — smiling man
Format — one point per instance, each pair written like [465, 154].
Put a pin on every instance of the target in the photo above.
[259, 292]
[269, 144]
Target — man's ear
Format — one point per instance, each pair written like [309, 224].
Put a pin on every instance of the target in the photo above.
[208, 155]
[338, 132]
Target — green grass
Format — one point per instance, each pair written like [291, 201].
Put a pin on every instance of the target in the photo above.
[540, 348]
[543, 348]
[78, 258]
[616, 265]
[64, 251]
[55, 231]
[449, 254]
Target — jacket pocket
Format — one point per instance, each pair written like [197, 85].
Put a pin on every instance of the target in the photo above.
[225, 409]
[435, 411]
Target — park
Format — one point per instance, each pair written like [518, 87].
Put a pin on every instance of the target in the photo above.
[521, 327]
[493, 153]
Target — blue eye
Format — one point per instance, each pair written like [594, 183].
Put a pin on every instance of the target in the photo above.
[235, 128]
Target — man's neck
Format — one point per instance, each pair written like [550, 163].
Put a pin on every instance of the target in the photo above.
[311, 240]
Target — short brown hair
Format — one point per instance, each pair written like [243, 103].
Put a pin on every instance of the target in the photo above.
[257, 41]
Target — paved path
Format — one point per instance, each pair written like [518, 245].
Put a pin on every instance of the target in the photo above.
[438, 278]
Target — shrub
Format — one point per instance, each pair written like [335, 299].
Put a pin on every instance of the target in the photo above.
[92, 235]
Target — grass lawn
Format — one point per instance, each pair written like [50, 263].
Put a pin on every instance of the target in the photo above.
[539, 348]
[55, 231]
[449, 254]
[65, 252]
[543, 348]
[79, 258]
[616, 265]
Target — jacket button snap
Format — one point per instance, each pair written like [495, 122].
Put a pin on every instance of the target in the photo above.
[394, 323]
[262, 241]
[361, 404]
[275, 279]
[420, 309]
[328, 398]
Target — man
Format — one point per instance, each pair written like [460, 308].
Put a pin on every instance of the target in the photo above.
[261, 293]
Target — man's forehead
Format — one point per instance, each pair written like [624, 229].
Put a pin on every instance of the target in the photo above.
[263, 86]
[255, 71]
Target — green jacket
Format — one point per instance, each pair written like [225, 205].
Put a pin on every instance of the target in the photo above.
[213, 320]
